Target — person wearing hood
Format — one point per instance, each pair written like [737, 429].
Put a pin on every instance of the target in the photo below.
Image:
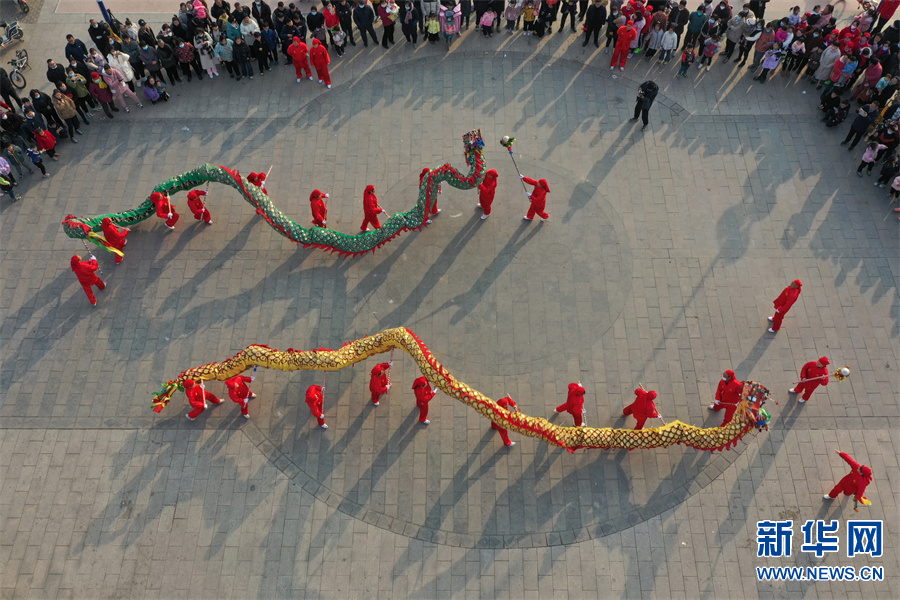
[164, 209]
[239, 392]
[315, 400]
[298, 51]
[371, 209]
[115, 236]
[198, 207]
[510, 405]
[853, 483]
[198, 398]
[319, 58]
[486, 191]
[538, 198]
[319, 208]
[642, 408]
[424, 393]
[728, 396]
[574, 404]
[783, 304]
[812, 375]
[85, 271]
[379, 381]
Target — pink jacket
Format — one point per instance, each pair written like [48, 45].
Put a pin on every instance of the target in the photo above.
[870, 153]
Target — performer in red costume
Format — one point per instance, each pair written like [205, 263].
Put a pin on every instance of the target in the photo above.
[424, 393]
[643, 408]
[783, 304]
[574, 404]
[259, 180]
[315, 398]
[853, 483]
[728, 395]
[319, 210]
[198, 207]
[297, 52]
[371, 209]
[432, 208]
[538, 198]
[84, 270]
[164, 209]
[510, 405]
[626, 35]
[379, 384]
[319, 58]
[486, 192]
[115, 236]
[198, 397]
[811, 370]
[240, 393]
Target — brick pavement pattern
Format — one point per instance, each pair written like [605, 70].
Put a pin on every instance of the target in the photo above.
[658, 266]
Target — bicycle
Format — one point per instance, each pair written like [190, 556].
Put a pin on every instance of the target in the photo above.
[19, 63]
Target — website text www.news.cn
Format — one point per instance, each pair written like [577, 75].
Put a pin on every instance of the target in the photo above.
[820, 573]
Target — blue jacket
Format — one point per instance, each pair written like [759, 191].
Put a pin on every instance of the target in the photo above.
[270, 38]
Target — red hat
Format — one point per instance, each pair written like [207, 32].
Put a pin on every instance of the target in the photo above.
[866, 471]
[490, 173]
[577, 388]
[824, 360]
[316, 194]
[798, 283]
[189, 383]
[95, 76]
[651, 395]
[729, 373]
[630, 23]
[543, 183]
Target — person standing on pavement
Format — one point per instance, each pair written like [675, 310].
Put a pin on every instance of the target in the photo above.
[853, 483]
[319, 58]
[318, 208]
[241, 54]
[679, 18]
[379, 381]
[594, 19]
[371, 209]
[7, 184]
[116, 82]
[85, 271]
[164, 209]
[345, 16]
[642, 408]
[783, 304]
[424, 393]
[865, 117]
[115, 236]
[812, 375]
[538, 198]
[239, 392]
[315, 399]
[646, 95]
[486, 191]
[510, 405]
[198, 397]
[728, 396]
[198, 207]
[364, 17]
[624, 36]
[67, 111]
[16, 158]
[298, 51]
[574, 404]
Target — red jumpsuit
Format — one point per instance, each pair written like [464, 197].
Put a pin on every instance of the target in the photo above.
[164, 209]
[486, 191]
[114, 236]
[728, 395]
[319, 210]
[316, 400]
[371, 209]
[574, 404]
[84, 270]
[319, 58]
[379, 384]
[784, 302]
[424, 394]
[643, 408]
[810, 370]
[510, 405]
[240, 393]
[626, 34]
[538, 198]
[433, 208]
[198, 397]
[297, 51]
[855, 482]
[198, 208]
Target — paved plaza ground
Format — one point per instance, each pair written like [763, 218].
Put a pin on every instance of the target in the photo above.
[658, 266]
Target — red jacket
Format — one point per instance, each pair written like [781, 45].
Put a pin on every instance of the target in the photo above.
[370, 202]
[298, 51]
[488, 187]
[729, 392]
[810, 370]
[46, 140]
[317, 204]
[626, 36]
[423, 392]
[539, 194]
[318, 56]
[379, 381]
[315, 400]
[163, 204]
[238, 390]
[887, 8]
[84, 270]
[507, 403]
[195, 201]
[197, 396]
[332, 19]
[857, 480]
[785, 301]
[113, 235]
[644, 407]
[575, 399]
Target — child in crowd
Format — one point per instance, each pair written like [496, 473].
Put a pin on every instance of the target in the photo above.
[669, 44]
[34, 153]
[339, 39]
[511, 14]
[687, 59]
[769, 62]
[487, 22]
[432, 27]
[868, 158]
[889, 170]
[46, 141]
[711, 47]
[528, 15]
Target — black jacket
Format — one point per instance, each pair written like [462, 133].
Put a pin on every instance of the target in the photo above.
[261, 13]
[56, 75]
[241, 52]
[595, 16]
[363, 16]
[647, 93]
